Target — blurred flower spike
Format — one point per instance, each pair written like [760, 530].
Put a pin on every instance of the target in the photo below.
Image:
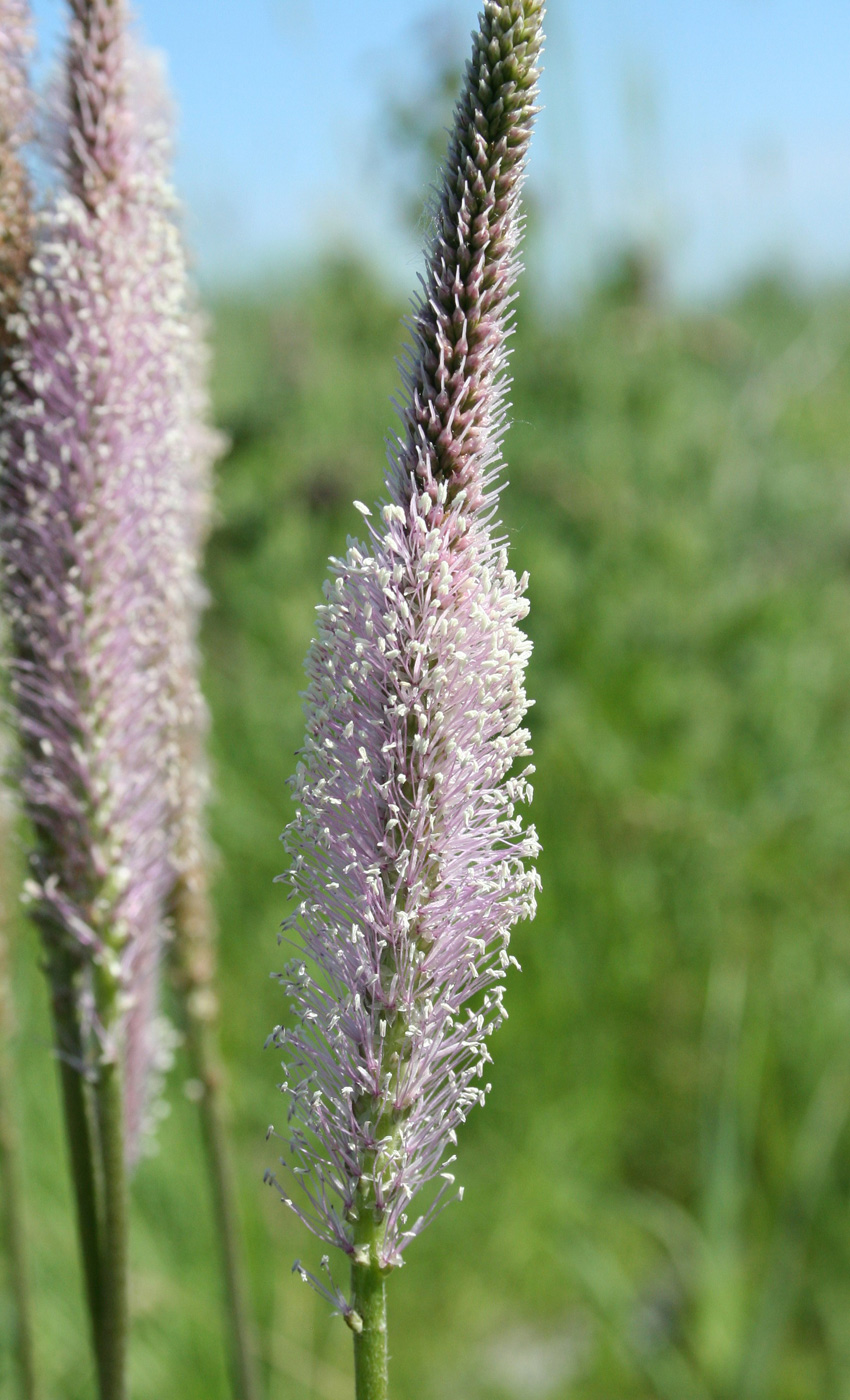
[409, 863]
[99, 468]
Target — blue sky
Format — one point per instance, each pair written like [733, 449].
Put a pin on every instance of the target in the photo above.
[719, 130]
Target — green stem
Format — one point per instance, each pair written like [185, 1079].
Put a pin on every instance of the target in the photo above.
[369, 1300]
[194, 974]
[78, 1133]
[201, 1048]
[13, 1225]
[112, 1349]
[94, 1122]
[78, 1130]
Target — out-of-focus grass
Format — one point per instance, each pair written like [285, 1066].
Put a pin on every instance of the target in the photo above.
[656, 1192]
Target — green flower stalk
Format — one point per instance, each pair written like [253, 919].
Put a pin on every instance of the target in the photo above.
[11, 1182]
[194, 975]
[409, 864]
[192, 914]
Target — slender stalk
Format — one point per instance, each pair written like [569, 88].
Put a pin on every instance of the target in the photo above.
[200, 1042]
[194, 947]
[113, 1331]
[78, 1129]
[369, 1300]
[11, 1193]
[94, 1122]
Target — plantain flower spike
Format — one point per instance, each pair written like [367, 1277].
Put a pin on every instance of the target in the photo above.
[102, 456]
[409, 863]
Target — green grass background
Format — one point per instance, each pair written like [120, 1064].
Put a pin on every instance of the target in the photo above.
[657, 1192]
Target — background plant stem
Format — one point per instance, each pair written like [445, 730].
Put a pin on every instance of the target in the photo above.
[193, 918]
[112, 1341]
[78, 1130]
[200, 1043]
[11, 1203]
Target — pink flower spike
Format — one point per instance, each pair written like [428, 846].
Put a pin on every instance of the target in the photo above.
[408, 861]
[102, 459]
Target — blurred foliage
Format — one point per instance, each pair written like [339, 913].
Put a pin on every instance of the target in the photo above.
[656, 1192]
[416, 113]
